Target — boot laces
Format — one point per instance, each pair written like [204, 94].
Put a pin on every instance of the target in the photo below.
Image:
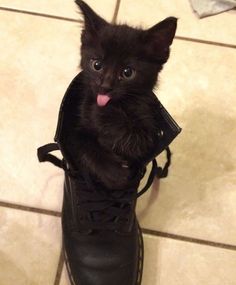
[99, 207]
[102, 208]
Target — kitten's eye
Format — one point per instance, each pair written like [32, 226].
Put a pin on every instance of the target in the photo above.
[128, 73]
[96, 64]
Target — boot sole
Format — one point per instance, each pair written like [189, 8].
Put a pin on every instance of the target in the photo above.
[140, 262]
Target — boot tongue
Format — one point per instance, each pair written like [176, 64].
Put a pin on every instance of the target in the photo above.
[103, 99]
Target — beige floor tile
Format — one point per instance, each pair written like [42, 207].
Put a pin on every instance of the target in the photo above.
[61, 8]
[177, 263]
[38, 59]
[29, 247]
[220, 28]
[198, 87]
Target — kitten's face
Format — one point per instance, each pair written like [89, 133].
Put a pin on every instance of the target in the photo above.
[115, 64]
[120, 61]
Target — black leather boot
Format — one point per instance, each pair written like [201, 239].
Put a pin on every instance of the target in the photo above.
[101, 236]
[102, 239]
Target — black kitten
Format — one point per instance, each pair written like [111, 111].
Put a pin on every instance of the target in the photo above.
[117, 128]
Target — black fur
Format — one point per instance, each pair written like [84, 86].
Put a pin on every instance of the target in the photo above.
[123, 131]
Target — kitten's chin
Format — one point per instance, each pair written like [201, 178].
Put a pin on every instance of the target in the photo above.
[103, 99]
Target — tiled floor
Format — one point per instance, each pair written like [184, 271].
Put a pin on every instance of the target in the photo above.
[188, 219]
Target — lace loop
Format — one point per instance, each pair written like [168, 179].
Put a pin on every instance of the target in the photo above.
[44, 154]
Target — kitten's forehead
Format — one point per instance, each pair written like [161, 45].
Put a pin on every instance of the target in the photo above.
[121, 40]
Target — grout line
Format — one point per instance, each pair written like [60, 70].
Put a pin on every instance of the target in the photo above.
[113, 21]
[205, 42]
[189, 239]
[40, 14]
[59, 269]
[144, 230]
[30, 209]
[116, 11]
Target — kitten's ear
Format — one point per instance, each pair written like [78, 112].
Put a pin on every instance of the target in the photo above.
[159, 38]
[92, 21]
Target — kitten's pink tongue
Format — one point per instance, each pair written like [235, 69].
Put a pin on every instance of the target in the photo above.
[102, 99]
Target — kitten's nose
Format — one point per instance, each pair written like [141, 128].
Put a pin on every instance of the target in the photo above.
[106, 87]
[107, 82]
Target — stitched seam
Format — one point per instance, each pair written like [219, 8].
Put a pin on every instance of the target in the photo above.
[140, 259]
[68, 268]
